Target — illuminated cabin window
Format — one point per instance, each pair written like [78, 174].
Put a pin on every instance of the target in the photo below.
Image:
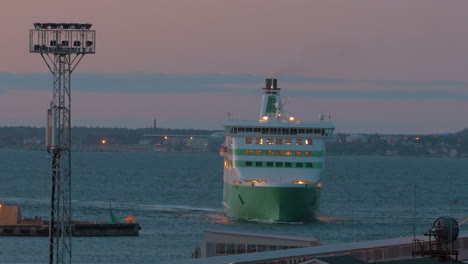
[259, 141]
[269, 141]
[269, 164]
[309, 153]
[298, 142]
[309, 165]
[259, 152]
[288, 141]
[298, 164]
[288, 164]
[308, 141]
[288, 153]
[258, 164]
[279, 141]
[248, 163]
[249, 152]
[298, 153]
[270, 152]
[279, 153]
[248, 141]
[279, 164]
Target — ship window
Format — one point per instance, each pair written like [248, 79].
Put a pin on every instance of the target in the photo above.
[262, 248]
[298, 141]
[241, 129]
[308, 141]
[279, 141]
[293, 131]
[241, 248]
[251, 248]
[309, 131]
[230, 249]
[265, 130]
[233, 130]
[258, 164]
[259, 141]
[220, 249]
[279, 153]
[288, 141]
[288, 153]
[259, 152]
[270, 152]
[298, 153]
[269, 141]
[322, 132]
[309, 165]
[249, 129]
[273, 131]
[316, 131]
[249, 152]
[248, 141]
[269, 164]
[248, 163]
[279, 164]
[298, 164]
[288, 164]
[285, 131]
[309, 153]
[257, 129]
[301, 131]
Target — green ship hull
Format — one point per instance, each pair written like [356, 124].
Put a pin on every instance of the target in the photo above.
[275, 204]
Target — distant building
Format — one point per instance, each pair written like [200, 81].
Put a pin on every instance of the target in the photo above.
[357, 138]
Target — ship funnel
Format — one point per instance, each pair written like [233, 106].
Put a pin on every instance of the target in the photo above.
[271, 101]
[271, 84]
[268, 84]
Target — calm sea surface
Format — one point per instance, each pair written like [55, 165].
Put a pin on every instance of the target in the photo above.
[175, 196]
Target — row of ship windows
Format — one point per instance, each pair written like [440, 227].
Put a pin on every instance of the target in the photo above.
[230, 249]
[279, 164]
[279, 141]
[279, 153]
[280, 131]
[228, 164]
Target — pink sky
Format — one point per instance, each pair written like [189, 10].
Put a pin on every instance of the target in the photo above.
[417, 40]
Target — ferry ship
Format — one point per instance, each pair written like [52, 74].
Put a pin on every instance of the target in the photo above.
[273, 166]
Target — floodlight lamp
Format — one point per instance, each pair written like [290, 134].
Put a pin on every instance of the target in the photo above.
[89, 43]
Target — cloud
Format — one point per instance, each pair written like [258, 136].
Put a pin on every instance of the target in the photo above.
[241, 84]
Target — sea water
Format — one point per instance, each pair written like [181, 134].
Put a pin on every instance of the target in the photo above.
[176, 196]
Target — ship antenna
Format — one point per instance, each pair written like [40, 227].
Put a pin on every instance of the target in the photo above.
[414, 212]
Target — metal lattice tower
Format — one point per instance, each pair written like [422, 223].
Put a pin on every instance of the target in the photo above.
[62, 46]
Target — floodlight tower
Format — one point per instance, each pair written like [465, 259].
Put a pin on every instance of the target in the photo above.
[62, 46]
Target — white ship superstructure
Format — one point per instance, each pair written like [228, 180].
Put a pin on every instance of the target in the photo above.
[273, 167]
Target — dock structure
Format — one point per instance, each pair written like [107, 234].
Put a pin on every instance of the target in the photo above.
[215, 243]
[367, 251]
[11, 224]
